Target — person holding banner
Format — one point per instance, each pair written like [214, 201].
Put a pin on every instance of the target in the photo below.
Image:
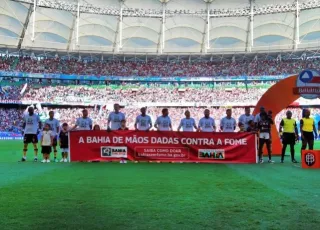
[84, 122]
[115, 118]
[54, 125]
[228, 124]
[188, 124]
[245, 118]
[163, 123]
[289, 135]
[308, 131]
[143, 121]
[31, 126]
[207, 123]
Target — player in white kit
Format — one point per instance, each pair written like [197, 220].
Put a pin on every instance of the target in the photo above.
[31, 126]
[55, 129]
[207, 123]
[84, 122]
[115, 118]
[244, 119]
[143, 121]
[188, 124]
[163, 123]
[228, 124]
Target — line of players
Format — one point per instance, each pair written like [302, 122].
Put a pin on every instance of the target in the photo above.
[261, 123]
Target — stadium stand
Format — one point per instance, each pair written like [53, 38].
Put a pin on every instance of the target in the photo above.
[157, 68]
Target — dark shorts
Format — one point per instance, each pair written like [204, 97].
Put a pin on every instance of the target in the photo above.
[55, 142]
[289, 138]
[30, 138]
[308, 135]
[46, 149]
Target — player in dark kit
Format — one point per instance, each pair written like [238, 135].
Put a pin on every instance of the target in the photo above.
[64, 142]
[264, 127]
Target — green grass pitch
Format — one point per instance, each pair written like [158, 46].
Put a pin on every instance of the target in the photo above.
[155, 196]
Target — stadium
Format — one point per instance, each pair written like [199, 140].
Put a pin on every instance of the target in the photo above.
[201, 56]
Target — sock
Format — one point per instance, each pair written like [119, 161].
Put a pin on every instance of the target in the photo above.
[24, 157]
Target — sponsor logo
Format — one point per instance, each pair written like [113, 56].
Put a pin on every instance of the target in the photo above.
[114, 152]
[310, 159]
[308, 84]
[211, 154]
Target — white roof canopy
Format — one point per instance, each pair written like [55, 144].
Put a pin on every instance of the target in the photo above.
[141, 26]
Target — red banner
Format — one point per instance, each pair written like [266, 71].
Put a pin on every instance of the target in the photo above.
[163, 146]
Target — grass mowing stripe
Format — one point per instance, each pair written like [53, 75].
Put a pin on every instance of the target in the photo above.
[288, 179]
[150, 196]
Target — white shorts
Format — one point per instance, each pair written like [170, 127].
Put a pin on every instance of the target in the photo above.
[265, 136]
[65, 150]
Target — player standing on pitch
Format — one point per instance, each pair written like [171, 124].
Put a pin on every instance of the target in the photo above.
[207, 123]
[258, 116]
[115, 118]
[264, 127]
[46, 143]
[289, 135]
[228, 124]
[188, 124]
[31, 126]
[55, 128]
[84, 122]
[245, 118]
[308, 131]
[64, 142]
[163, 122]
[143, 121]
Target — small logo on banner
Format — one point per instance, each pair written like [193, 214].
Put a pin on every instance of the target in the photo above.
[211, 154]
[310, 159]
[114, 152]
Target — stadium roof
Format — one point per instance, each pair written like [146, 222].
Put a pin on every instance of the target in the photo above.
[160, 26]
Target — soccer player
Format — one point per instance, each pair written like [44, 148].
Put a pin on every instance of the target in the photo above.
[47, 137]
[264, 127]
[64, 142]
[163, 123]
[54, 127]
[115, 118]
[245, 118]
[308, 131]
[207, 123]
[188, 124]
[228, 124]
[143, 121]
[289, 135]
[257, 117]
[31, 126]
[84, 122]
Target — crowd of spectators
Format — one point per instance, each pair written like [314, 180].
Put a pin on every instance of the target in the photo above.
[11, 119]
[212, 96]
[158, 67]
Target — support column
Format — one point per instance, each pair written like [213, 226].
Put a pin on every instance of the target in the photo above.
[34, 20]
[251, 25]
[163, 27]
[208, 27]
[297, 26]
[120, 26]
[78, 22]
